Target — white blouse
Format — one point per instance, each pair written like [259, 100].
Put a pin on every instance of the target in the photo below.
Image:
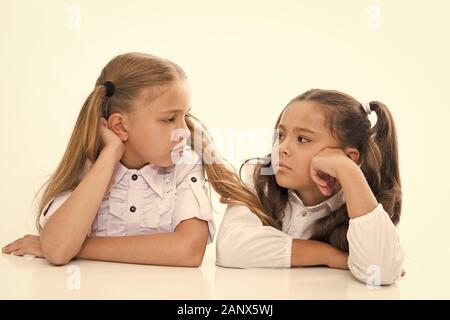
[244, 242]
[152, 199]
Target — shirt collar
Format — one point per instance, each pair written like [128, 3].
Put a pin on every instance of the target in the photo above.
[154, 176]
[119, 172]
[151, 173]
[331, 204]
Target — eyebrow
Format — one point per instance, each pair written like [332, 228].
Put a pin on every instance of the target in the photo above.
[175, 110]
[280, 126]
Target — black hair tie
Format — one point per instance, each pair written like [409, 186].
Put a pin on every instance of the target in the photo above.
[110, 88]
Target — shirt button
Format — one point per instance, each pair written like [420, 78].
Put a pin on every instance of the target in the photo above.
[132, 208]
[134, 177]
[305, 214]
[194, 179]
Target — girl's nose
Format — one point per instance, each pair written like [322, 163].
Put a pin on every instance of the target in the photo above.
[283, 149]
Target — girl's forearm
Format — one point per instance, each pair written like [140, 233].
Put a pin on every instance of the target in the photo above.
[315, 253]
[178, 248]
[359, 197]
[64, 234]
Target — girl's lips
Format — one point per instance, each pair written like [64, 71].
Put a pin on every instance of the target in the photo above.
[284, 166]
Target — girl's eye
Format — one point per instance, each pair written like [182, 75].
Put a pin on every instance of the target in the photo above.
[302, 139]
[280, 136]
[171, 119]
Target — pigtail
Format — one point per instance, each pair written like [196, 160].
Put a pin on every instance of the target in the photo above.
[89, 122]
[381, 164]
[220, 174]
[84, 144]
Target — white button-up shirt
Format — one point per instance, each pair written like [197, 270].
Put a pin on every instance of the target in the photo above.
[244, 242]
[152, 199]
[299, 220]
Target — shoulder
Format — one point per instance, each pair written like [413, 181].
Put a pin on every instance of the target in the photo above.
[240, 214]
[189, 166]
[55, 202]
[52, 206]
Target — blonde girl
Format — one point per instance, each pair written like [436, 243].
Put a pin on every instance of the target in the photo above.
[128, 188]
[328, 194]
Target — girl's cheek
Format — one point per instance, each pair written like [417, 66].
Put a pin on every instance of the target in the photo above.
[302, 161]
[303, 167]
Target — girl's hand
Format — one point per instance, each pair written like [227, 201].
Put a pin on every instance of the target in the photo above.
[324, 169]
[110, 139]
[28, 244]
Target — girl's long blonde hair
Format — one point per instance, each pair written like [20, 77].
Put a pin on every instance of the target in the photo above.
[130, 73]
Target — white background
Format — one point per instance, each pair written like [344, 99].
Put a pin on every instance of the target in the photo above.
[245, 61]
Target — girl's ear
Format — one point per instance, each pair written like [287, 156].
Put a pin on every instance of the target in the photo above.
[352, 153]
[116, 123]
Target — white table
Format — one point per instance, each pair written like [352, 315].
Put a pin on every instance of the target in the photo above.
[33, 278]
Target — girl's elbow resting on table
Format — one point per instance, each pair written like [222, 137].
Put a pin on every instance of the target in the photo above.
[57, 257]
[393, 274]
[195, 253]
[54, 251]
[193, 239]
[230, 252]
[223, 258]
[383, 273]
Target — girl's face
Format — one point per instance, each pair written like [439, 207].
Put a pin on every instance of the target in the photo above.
[157, 130]
[302, 135]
